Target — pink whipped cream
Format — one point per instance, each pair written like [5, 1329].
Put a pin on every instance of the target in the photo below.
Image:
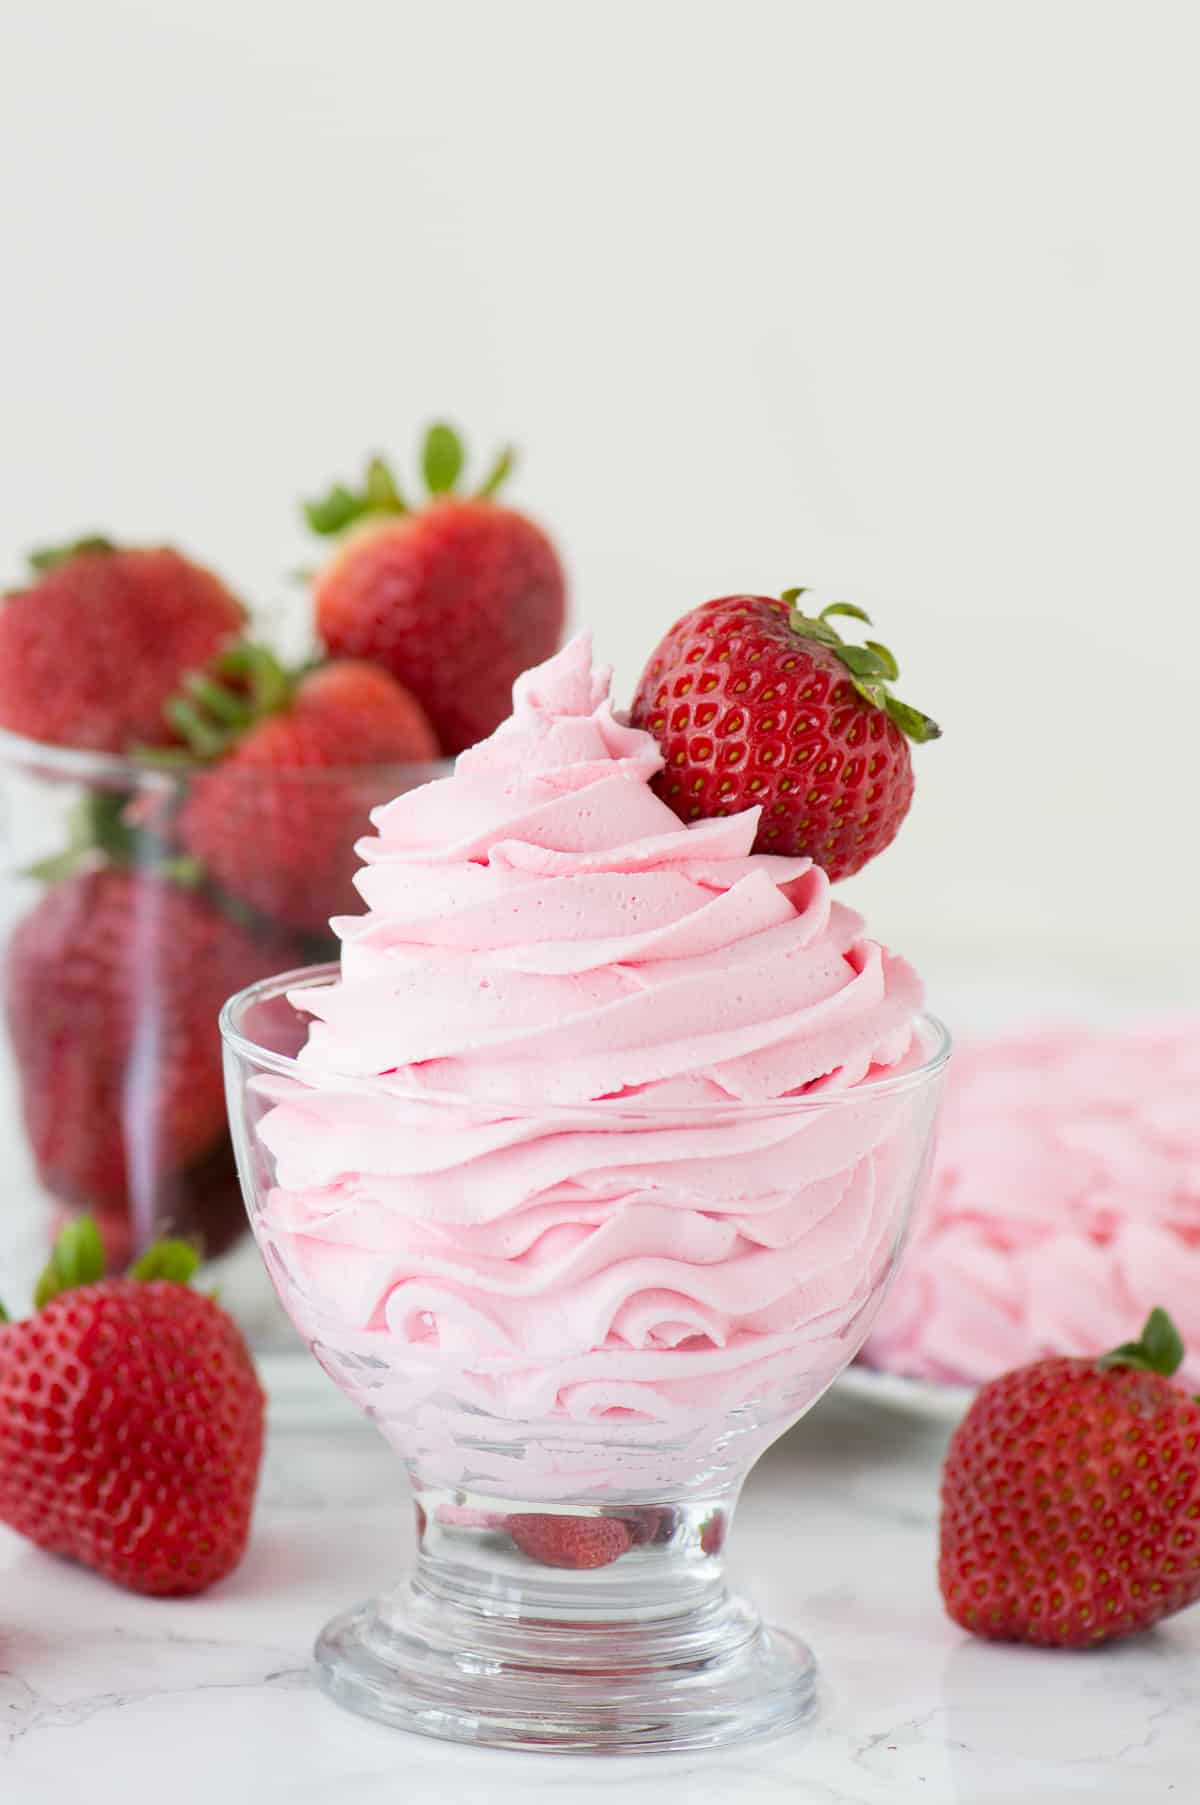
[1065, 1203]
[612, 1220]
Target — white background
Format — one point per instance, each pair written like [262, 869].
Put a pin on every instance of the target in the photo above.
[898, 298]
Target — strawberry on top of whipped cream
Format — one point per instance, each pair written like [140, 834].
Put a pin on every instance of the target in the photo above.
[543, 1154]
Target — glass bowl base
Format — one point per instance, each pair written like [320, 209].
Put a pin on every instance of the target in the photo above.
[612, 1688]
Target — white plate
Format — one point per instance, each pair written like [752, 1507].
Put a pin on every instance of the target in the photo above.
[924, 1398]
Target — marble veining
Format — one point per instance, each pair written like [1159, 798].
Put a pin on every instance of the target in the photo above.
[125, 1701]
[40, 1678]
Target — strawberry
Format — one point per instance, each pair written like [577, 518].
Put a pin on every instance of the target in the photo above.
[712, 1533]
[113, 985]
[755, 703]
[131, 1420]
[649, 1523]
[1071, 1498]
[276, 820]
[456, 599]
[560, 1541]
[91, 650]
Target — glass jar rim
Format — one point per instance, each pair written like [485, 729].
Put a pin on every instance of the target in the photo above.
[312, 977]
[121, 771]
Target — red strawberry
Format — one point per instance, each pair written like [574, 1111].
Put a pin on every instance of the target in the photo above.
[649, 1523]
[754, 703]
[91, 650]
[131, 1421]
[455, 599]
[1071, 1498]
[276, 820]
[113, 985]
[712, 1533]
[559, 1541]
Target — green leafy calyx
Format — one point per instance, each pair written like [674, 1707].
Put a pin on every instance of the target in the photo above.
[443, 460]
[872, 666]
[77, 1258]
[171, 1259]
[1159, 1348]
[216, 706]
[49, 557]
[102, 828]
[97, 825]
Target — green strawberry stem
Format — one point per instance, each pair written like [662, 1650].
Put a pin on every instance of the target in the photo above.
[49, 557]
[336, 509]
[244, 685]
[98, 827]
[872, 666]
[77, 1258]
[1159, 1348]
[96, 824]
[381, 490]
[60, 864]
[170, 1259]
[499, 473]
[443, 460]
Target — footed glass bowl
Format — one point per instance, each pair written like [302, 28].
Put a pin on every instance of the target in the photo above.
[578, 1327]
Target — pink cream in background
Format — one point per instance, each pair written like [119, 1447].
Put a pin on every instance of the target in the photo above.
[1065, 1203]
[551, 1169]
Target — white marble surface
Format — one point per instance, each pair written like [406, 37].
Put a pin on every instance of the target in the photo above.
[119, 1701]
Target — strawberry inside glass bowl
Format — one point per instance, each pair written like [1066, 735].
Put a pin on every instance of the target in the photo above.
[578, 1325]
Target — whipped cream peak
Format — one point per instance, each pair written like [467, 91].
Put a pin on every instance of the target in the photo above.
[541, 925]
[567, 689]
[562, 738]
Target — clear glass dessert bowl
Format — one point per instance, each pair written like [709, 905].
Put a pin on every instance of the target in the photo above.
[579, 1327]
